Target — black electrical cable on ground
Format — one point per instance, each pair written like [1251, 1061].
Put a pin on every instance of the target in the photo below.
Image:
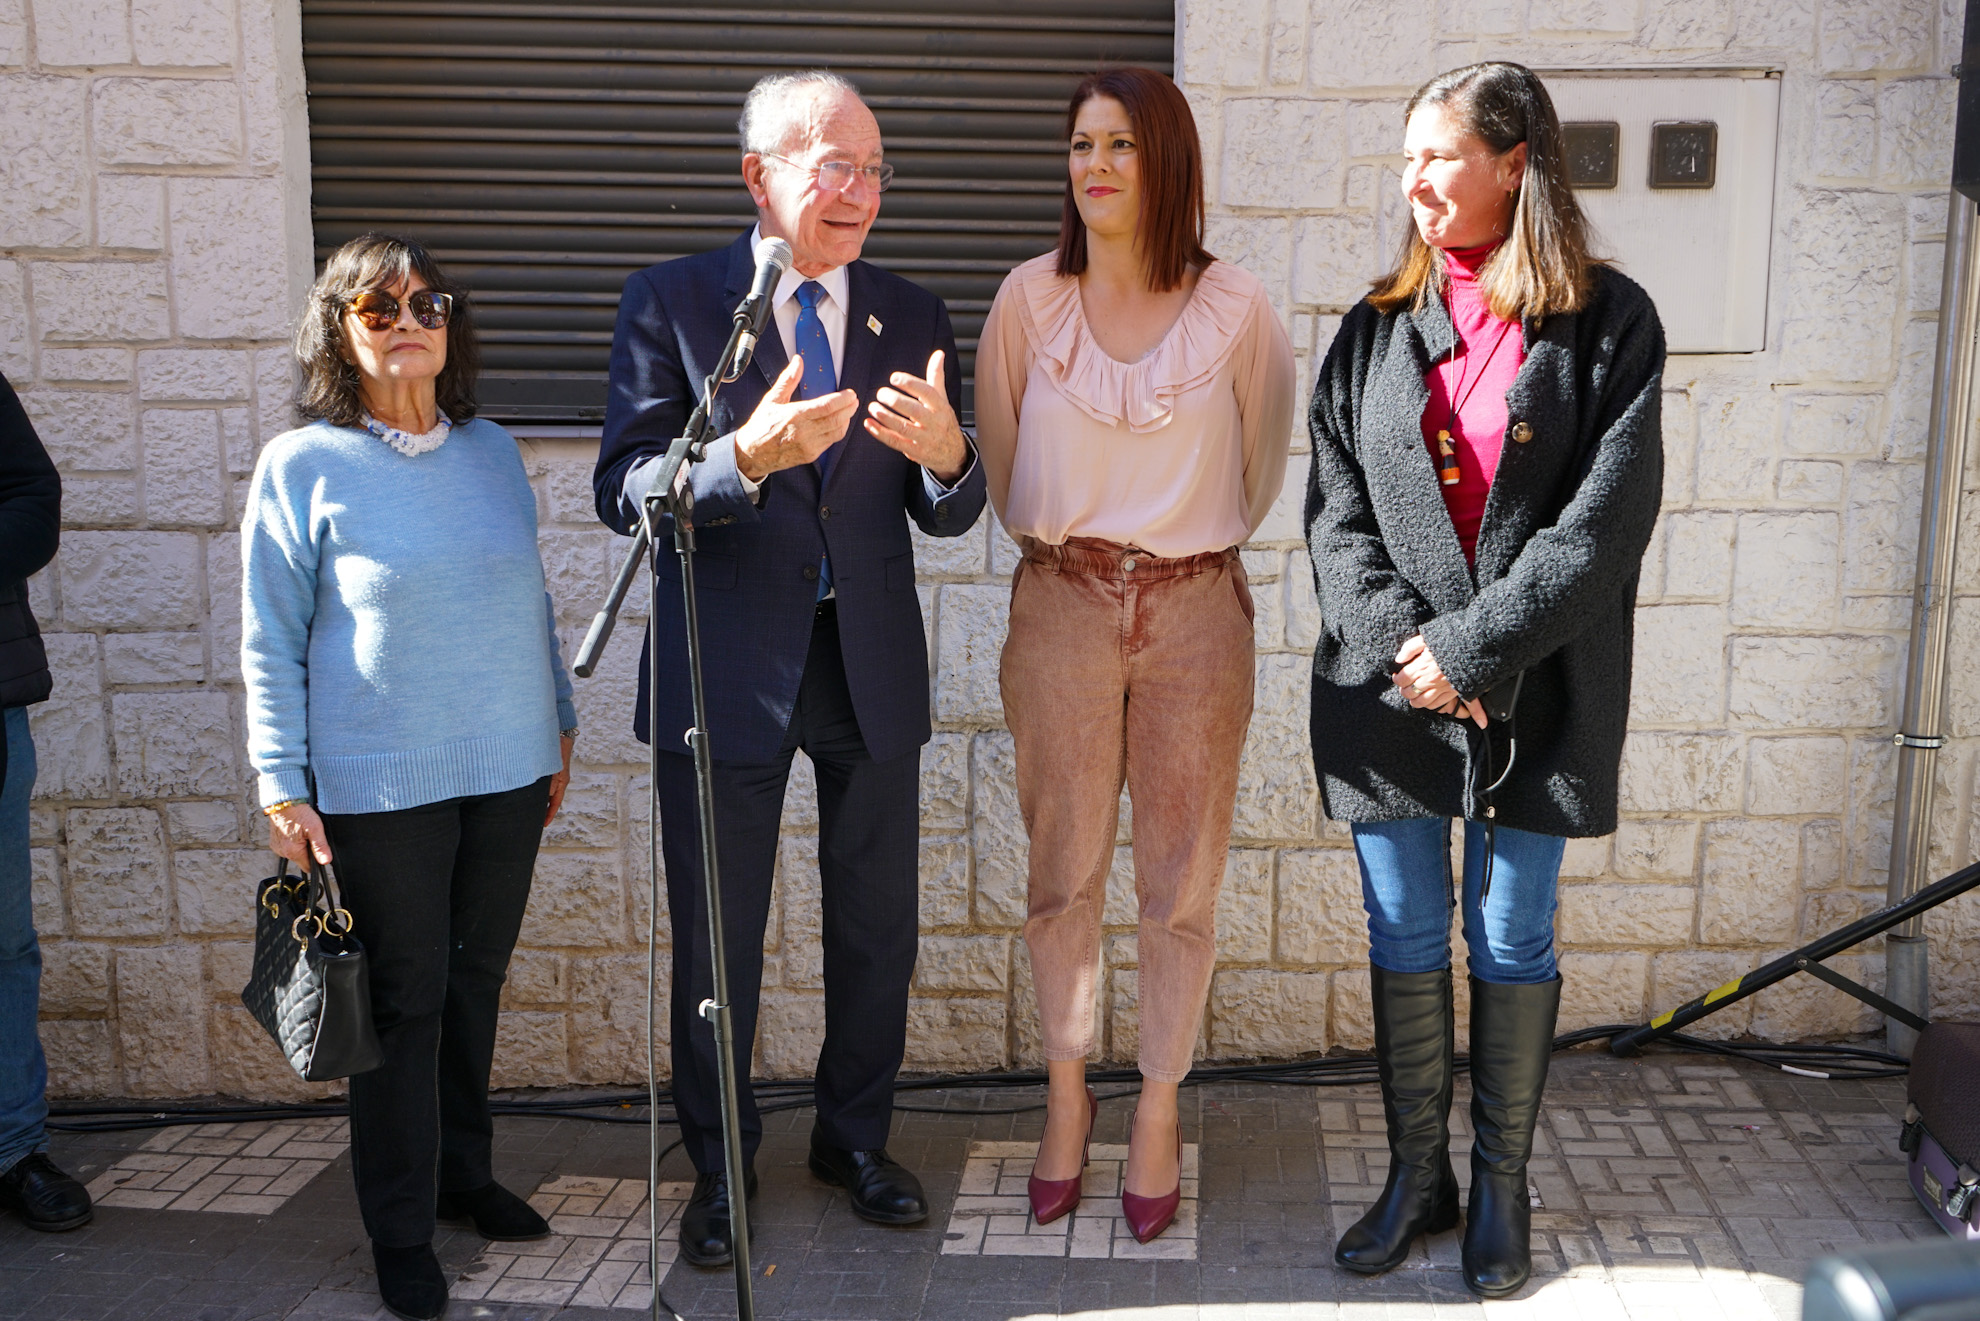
[775, 1095]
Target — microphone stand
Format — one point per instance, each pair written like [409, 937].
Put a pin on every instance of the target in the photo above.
[672, 497]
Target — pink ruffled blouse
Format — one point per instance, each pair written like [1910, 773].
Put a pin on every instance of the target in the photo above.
[1180, 453]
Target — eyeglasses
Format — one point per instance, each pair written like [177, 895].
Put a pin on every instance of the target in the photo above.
[377, 309]
[837, 176]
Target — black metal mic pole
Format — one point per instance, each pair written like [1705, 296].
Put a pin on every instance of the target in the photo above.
[669, 496]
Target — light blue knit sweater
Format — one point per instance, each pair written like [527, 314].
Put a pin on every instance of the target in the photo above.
[396, 638]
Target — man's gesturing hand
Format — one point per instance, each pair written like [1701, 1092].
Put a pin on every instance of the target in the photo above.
[781, 434]
[914, 417]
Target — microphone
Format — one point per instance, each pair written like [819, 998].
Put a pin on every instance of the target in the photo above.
[773, 258]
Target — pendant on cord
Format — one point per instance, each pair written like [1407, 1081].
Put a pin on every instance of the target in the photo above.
[1447, 464]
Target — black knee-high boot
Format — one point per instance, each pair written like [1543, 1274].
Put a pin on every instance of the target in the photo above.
[1413, 1044]
[1512, 1038]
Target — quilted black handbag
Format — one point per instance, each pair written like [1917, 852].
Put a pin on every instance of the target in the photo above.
[310, 988]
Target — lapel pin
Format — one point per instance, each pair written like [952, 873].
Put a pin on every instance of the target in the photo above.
[873, 324]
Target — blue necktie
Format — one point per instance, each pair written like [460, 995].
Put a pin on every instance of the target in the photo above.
[819, 379]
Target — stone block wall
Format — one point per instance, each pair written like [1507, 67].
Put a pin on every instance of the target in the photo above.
[153, 249]
[154, 246]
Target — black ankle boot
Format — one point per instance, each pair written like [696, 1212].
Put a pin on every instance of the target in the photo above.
[1413, 1044]
[498, 1215]
[1512, 1038]
[410, 1281]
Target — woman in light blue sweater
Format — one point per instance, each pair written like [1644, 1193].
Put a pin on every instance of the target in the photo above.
[402, 667]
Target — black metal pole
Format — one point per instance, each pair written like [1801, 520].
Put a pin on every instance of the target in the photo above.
[1634, 1040]
[669, 496]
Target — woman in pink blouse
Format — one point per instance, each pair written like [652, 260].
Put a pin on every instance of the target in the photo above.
[1134, 402]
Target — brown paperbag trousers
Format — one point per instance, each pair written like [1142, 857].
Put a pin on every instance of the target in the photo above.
[1124, 667]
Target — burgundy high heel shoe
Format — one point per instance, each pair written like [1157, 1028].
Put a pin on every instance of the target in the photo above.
[1052, 1198]
[1148, 1216]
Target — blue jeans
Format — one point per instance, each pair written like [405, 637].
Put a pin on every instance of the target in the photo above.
[23, 1069]
[1406, 888]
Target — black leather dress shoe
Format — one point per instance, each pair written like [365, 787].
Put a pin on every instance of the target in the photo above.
[498, 1214]
[706, 1238]
[410, 1281]
[44, 1197]
[883, 1190]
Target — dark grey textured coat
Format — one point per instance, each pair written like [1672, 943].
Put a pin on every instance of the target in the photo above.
[1554, 588]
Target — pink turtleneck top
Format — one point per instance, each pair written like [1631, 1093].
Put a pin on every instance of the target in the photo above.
[1179, 453]
[1468, 392]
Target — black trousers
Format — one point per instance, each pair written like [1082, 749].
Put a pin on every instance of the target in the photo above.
[437, 896]
[869, 834]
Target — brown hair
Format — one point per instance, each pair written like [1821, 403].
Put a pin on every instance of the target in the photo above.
[1544, 266]
[1170, 231]
[377, 261]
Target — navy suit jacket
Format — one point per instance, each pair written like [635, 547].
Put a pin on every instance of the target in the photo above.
[756, 598]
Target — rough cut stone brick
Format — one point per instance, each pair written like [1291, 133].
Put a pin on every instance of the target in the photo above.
[1268, 1014]
[1687, 25]
[85, 430]
[94, 366]
[1678, 676]
[577, 899]
[1635, 916]
[963, 963]
[72, 754]
[161, 1020]
[75, 979]
[46, 201]
[244, 1061]
[15, 362]
[1599, 989]
[1844, 138]
[1244, 908]
[1751, 887]
[154, 657]
[215, 889]
[962, 1032]
[1680, 773]
[117, 872]
[1260, 244]
[1262, 134]
[215, 822]
[944, 880]
[1320, 915]
[186, 33]
[1810, 481]
[1796, 776]
[1842, 283]
[1334, 257]
[531, 1050]
[997, 833]
[1844, 424]
[166, 121]
[1814, 682]
[537, 977]
[175, 744]
[228, 235]
[1224, 44]
[193, 375]
[1880, 528]
[969, 640]
[945, 783]
[1863, 36]
[608, 1017]
[130, 580]
[130, 211]
[953, 557]
[1787, 569]
[1656, 847]
[114, 300]
[790, 1033]
[50, 917]
[81, 1059]
[1278, 797]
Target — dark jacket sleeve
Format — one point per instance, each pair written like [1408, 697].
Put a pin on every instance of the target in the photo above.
[649, 399]
[1594, 550]
[956, 510]
[1364, 599]
[30, 494]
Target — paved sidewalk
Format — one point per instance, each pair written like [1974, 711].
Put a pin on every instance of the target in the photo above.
[1670, 1187]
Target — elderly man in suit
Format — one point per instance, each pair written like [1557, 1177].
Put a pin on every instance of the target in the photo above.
[843, 429]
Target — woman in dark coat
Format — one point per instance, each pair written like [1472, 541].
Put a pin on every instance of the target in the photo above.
[1487, 464]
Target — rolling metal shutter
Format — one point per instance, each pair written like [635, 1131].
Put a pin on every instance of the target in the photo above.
[545, 150]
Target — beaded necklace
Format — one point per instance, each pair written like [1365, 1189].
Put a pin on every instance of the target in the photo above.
[408, 443]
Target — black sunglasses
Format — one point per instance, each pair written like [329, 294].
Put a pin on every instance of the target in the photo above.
[377, 309]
